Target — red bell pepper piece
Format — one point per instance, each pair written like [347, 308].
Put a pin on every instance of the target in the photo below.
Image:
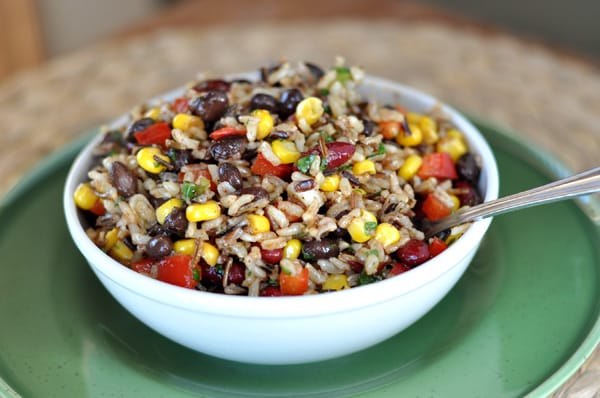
[143, 266]
[293, 284]
[177, 270]
[181, 105]
[263, 167]
[199, 170]
[271, 291]
[434, 209]
[98, 208]
[438, 165]
[226, 132]
[157, 133]
[399, 268]
[436, 247]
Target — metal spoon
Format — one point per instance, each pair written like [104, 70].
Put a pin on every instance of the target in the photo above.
[576, 185]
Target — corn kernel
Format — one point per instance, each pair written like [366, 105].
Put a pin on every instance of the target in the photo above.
[146, 160]
[183, 121]
[455, 202]
[84, 196]
[286, 151]
[258, 223]
[414, 138]
[454, 133]
[387, 234]
[121, 252]
[336, 282]
[166, 208]
[210, 254]
[203, 212]
[185, 246]
[409, 168]
[310, 110]
[429, 128]
[456, 147]
[292, 249]
[362, 228]
[413, 117]
[364, 167]
[265, 123]
[111, 238]
[153, 113]
[330, 183]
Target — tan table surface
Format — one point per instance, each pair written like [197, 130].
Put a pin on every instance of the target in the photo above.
[552, 100]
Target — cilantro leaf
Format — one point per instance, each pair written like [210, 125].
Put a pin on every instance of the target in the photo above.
[305, 162]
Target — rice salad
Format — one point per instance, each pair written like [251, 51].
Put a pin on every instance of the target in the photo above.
[287, 185]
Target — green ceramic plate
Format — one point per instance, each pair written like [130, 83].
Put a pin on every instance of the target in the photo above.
[521, 320]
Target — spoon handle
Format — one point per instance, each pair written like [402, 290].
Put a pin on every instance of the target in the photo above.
[576, 185]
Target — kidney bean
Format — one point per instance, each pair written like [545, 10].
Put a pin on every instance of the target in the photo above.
[271, 291]
[319, 249]
[264, 101]
[210, 106]
[159, 247]
[258, 192]
[469, 196]
[212, 84]
[413, 253]
[467, 168]
[229, 173]
[228, 147]
[237, 273]
[176, 222]
[288, 102]
[338, 153]
[123, 179]
[138, 125]
[271, 256]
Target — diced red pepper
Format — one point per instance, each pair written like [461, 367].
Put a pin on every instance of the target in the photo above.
[438, 165]
[143, 266]
[436, 246]
[389, 129]
[271, 291]
[199, 170]
[226, 132]
[435, 209]
[271, 256]
[263, 167]
[294, 284]
[177, 270]
[399, 268]
[98, 208]
[157, 133]
[181, 105]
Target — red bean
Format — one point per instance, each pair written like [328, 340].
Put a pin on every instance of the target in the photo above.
[271, 291]
[413, 253]
[338, 153]
[237, 273]
[271, 256]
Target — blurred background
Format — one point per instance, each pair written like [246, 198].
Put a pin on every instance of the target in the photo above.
[32, 31]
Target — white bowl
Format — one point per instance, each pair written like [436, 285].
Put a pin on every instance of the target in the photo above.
[295, 329]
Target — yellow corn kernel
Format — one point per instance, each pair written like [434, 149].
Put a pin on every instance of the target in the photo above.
[454, 133]
[409, 168]
[183, 121]
[364, 167]
[84, 196]
[413, 117]
[292, 249]
[387, 234]
[121, 252]
[330, 183]
[146, 160]
[258, 223]
[265, 123]
[286, 151]
[456, 147]
[310, 110]
[203, 211]
[185, 246]
[455, 202]
[166, 208]
[429, 128]
[210, 254]
[336, 282]
[153, 113]
[111, 238]
[414, 138]
[362, 228]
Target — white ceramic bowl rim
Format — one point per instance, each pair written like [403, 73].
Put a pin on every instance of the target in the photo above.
[290, 306]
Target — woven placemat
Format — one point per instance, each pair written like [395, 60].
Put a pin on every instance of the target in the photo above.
[552, 100]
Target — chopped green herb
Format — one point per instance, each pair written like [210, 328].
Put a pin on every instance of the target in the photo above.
[172, 155]
[323, 164]
[343, 74]
[349, 250]
[196, 274]
[272, 282]
[305, 162]
[380, 151]
[370, 227]
[345, 167]
[324, 91]
[327, 138]
[189, 190]
[365, 279]
[373, 252]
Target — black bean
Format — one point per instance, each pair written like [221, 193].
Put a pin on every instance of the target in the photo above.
[229, 173]
[467, 168]
[180, 157]
[288, 102]
[264, 101]
[227, 148]
[159, 247]
[319, 249]
[469, 196]
[369, 127]
[339, 233]
[176, 222]
[122, 179]
[304, 185]
[210, 106]
[212, 84]
[315, 70]
[138, 125]
[258, 192]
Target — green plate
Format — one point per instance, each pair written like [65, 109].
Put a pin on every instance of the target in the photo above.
[522, 319]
